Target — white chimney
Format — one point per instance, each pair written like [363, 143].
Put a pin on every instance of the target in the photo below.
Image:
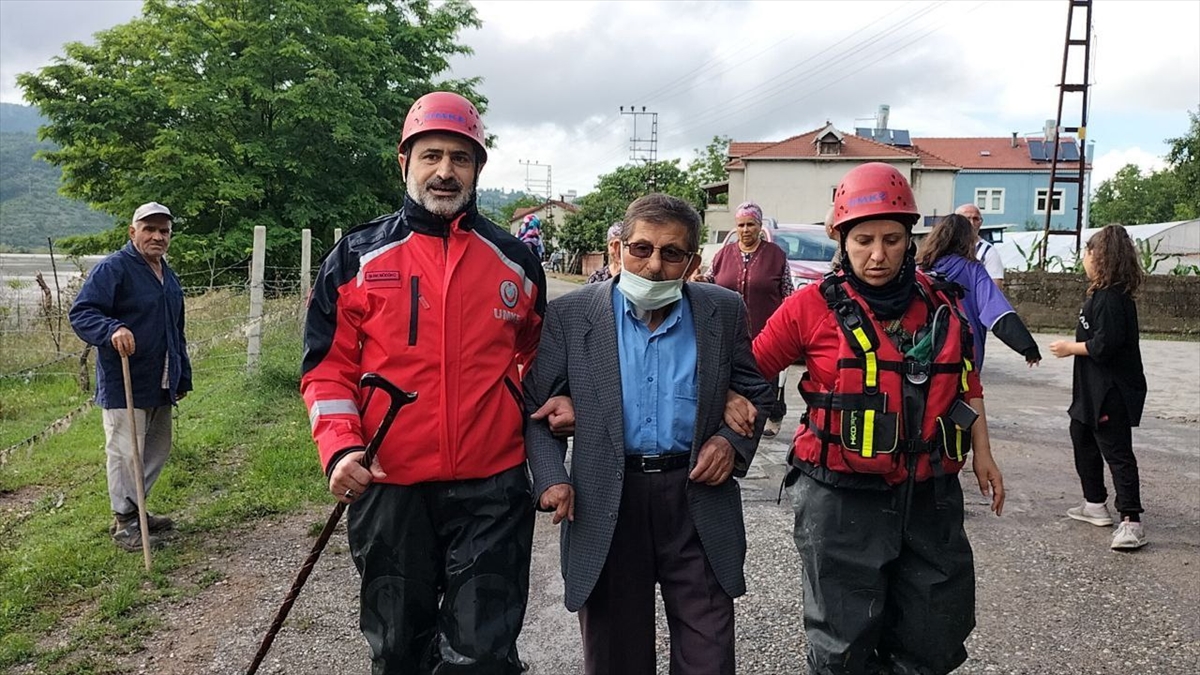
[1014, 139]
[881, 117]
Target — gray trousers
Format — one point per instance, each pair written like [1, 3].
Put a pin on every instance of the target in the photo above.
[154, 439]
[882, 595]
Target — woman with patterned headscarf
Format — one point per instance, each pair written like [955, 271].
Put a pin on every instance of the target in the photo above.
[613, 244]
[758, 271]
[531, 235]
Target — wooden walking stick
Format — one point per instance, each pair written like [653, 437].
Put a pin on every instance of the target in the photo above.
[137, 462]
[399, 399]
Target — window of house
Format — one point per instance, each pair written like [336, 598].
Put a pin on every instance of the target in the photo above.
[989, 200]
[830, 146]
[1056, 203]
[832, 194]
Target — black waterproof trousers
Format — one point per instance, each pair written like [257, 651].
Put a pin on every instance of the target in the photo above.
[445, 573]
[884, 594]
[1109, 441]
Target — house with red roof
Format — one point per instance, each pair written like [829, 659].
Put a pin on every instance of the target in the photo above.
[552, 211]
[794, 179]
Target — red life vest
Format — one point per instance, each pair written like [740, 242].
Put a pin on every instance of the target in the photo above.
[859, 426]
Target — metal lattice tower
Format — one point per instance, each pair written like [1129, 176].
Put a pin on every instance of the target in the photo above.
[1053, 145]
[535, 184]
[643, 149]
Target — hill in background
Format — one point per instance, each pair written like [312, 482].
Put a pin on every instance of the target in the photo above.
[31, 208]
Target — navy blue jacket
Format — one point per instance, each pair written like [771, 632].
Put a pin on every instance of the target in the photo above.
[122, 290]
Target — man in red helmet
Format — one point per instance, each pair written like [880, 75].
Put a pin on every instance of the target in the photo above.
[443, 302]
[894, 408]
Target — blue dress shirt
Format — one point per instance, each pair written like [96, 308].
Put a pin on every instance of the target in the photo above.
[658, 379]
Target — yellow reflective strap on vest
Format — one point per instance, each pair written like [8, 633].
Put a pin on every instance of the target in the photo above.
[871, 370]
[868, 439]
[958, 434]
[863, 340]
[967, 368]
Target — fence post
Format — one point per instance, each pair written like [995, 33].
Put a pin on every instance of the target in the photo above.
[305, 267]
[254, 343]
[337, 234]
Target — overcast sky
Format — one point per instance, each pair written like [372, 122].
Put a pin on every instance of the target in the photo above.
[556, 72]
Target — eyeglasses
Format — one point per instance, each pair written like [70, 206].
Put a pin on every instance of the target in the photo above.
[669, 254]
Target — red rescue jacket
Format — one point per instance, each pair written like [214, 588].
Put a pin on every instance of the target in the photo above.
[854, 382]
[449, 311]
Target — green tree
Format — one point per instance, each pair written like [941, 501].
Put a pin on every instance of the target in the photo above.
[1131, 198]
[237, 113]
[522, 202]
[709, 165]
[584, 231]
[1184, 161]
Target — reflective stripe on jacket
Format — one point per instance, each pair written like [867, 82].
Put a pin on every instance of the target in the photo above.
[806, 327]
[451, 317]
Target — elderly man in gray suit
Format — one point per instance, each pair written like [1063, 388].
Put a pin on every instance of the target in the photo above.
[649, 499]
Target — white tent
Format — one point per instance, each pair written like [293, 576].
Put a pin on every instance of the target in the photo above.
[1178, 241]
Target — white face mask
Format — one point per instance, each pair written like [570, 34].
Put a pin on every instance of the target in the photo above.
[649, 295]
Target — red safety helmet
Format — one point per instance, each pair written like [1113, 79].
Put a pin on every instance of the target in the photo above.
[874, 191]
[444, 111]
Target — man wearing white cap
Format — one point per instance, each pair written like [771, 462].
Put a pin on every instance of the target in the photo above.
[132, 305]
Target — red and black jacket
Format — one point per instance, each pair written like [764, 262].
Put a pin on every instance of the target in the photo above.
[451, 310]
[854, 383]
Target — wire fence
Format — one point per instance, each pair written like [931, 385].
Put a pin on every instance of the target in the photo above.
[40, 355]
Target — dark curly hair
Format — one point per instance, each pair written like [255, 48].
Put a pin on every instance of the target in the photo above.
[953, 235]
[1114, 260]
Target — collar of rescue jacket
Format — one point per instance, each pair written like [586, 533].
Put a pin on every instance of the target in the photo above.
[423, 221]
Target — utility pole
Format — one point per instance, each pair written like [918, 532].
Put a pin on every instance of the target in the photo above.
[535, 184]
[644, 149]
[1076, 148]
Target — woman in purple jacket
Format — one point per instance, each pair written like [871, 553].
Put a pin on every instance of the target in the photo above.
[949, 249]
[758, 271]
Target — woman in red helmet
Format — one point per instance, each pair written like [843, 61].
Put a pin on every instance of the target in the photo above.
[894, 409]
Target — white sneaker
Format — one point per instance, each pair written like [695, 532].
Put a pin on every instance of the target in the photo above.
[1129, 535]
[1089, 512]
[771, 430]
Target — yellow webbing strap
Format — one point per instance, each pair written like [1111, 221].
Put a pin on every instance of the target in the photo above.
[958, 434]
[868, 441]
[967, 367]
[870, 370]
[863, 340]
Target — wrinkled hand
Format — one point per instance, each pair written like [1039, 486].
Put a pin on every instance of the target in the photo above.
[559, 413]
[122, 341]
[988, 475]
[350, 474]
[698, 275]
[1061, 348]
[179, 395]
[560, 498]
[714, 465]
[739, 413]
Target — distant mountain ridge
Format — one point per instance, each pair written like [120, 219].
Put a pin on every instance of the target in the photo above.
[16, 118]
[31, 209]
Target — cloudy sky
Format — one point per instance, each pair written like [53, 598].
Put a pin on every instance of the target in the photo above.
[556, 73]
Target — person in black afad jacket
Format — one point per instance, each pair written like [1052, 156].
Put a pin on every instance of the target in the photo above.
[1109, 387]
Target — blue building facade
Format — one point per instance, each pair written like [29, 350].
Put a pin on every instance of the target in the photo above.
[1019, 198]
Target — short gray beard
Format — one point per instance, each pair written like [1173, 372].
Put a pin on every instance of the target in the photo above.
[446, 208]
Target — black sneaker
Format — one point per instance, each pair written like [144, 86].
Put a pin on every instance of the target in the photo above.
[127, 534]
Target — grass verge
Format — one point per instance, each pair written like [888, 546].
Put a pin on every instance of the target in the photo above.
[69, 599]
